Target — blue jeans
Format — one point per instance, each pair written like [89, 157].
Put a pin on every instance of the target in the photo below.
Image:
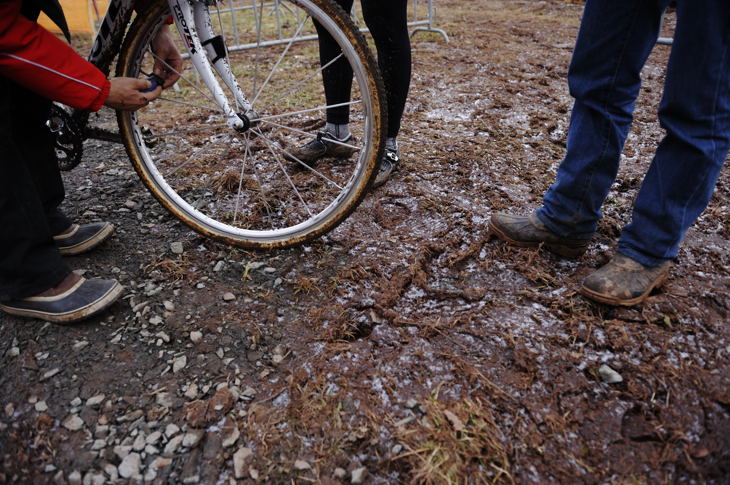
[615, 39]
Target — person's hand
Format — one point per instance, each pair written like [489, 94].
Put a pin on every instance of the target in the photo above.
[125, 93]
[168, 62]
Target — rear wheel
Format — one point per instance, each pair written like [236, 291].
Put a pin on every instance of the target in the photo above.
[242, 188]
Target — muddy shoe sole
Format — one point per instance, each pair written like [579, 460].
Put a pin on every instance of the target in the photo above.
[571, 251]
[84, 300]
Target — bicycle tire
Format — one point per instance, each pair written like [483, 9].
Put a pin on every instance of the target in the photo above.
[241, 184]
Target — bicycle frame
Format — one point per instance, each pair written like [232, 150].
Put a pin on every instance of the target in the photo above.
[192, 19]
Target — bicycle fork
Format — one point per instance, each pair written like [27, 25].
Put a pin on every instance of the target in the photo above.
[207, 52]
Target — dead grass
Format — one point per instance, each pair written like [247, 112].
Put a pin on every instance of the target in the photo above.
[454, 442]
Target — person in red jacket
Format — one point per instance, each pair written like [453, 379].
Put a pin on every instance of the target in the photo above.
[37, 68]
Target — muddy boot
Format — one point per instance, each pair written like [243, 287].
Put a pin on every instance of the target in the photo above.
[624, 281]
[530, 232]
[325, 145]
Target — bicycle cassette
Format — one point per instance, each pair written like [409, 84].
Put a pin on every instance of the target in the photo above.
[69, 143]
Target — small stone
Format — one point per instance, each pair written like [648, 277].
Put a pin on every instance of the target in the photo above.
[196, 336]
[153, 437]
[239, 461]
[172, 445]
[161, 462]
[177, 247]
[249, 393]
[253, 473]
[139, 443]
[192, 438]
[230, 433]
[301, 465]
[164, 399]
[9, 409]
[228, 296]
[80, 344]
[101, 431]
[411, 403]
[340, 473]
[131, 416]
[396, 449]
[192, 391]
[13, 352]
[122, 451]
[98, 445]
[358, 475]
[609, 375]
[129, 467]
[191, 479]
[169, 306]
[171, 430]
[179, 363]
[76, 402]
[73, 423]
[74, 478]
[94, 401]
[41, 406]
[219, 266]
[156, 320]
[50, 373]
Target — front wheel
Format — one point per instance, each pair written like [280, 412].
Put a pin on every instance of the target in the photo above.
[246, 188]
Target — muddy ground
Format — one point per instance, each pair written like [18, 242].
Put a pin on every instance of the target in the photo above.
[406, 346]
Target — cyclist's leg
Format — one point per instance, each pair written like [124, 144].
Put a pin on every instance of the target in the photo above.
[337, 78]
[388, 23]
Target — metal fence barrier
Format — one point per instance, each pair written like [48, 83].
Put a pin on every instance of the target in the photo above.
[422, 20]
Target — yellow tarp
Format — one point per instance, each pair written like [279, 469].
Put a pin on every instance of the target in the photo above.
[82, 15]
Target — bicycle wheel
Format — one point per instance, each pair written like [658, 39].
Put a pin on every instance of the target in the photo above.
[239, 187]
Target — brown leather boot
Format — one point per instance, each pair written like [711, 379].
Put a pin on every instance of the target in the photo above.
[624, 281]
[530, 232]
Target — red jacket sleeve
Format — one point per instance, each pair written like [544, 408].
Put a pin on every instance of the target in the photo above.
[36, 59]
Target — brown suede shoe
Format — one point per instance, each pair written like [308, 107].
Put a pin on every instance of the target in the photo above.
[624, 281]
[530, 232]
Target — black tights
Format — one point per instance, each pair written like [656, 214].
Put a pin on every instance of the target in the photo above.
[387, 22]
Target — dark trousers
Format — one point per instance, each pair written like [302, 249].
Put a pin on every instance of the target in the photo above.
[31, 191]
[388, 23]
[615, 39]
